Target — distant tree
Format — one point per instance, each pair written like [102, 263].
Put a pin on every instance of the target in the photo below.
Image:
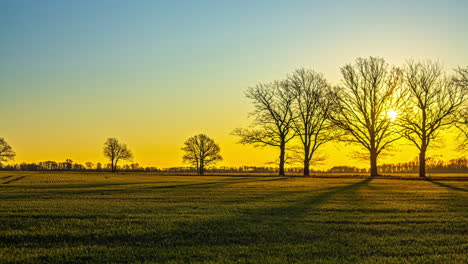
[116, 151]
[273, 121]
[68, 164]
[6, 151]
[49, 165]
[135, 166]
[432, 98]
[78, 167]
[367, 94]
[201, 152]
[98, 166]
[311, 106]
[89, 165]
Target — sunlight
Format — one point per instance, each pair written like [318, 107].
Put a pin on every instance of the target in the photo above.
[392, 114]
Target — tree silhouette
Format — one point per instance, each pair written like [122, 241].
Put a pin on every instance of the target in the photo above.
[89, 165]
[201, 152]
[367, 93]
[432, 98]
[273, 121]
[6, 152]
[311, 107]
[115, 151]
[461, 118]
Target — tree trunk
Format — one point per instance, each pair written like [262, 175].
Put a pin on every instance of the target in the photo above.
[281, 158]
[112, 166]
[373, 164]
[306, 160]
[202, 169]
[306, 167]
[422, 162]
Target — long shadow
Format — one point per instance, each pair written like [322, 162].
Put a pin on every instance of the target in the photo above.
[6, 177]
[17, 179]
[251, 231]
[219, 231]
[299, 208]
[80, 186]
[447, 186]
[66, 192]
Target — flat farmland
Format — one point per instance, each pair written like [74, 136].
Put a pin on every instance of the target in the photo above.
[55, 217]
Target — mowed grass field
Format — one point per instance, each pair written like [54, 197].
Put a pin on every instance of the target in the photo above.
[137, 218]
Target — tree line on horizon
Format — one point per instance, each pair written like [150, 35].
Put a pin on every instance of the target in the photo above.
[433, 165]
[374, 106]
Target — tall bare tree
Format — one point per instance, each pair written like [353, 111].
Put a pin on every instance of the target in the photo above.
[368, 92]
[311, 107]
[432, 98]
[461, 79]
[116, 151]
[6, 151]
[201, 151]
[273, 121]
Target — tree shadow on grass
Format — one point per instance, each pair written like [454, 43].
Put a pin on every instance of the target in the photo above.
[447, 186]
[16, 179]
[281, 229]
[266, 229]
[64, 191]
[258, 225]
[306, 204]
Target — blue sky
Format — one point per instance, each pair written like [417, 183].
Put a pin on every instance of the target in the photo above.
[155, 72]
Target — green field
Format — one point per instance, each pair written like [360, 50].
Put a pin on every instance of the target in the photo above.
[102, 217]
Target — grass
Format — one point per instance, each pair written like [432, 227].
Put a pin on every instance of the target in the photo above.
[101, 217]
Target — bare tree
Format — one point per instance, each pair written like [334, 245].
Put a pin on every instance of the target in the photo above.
[432, 98]
[461, 117]
[115, 151]
[367, 94]
[273, 121]
[312, 106]
[6, 152]
[201, 152]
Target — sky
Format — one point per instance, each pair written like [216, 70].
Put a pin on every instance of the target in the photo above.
[153, 73]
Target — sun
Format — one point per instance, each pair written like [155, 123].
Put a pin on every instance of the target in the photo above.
[392, 114]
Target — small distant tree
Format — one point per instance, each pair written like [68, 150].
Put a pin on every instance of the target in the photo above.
[68, 164]
[116, 151]
[89, 165]
[136, 167]
[432, 100]
[201, 152]
[273, 123]
[6, 152]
